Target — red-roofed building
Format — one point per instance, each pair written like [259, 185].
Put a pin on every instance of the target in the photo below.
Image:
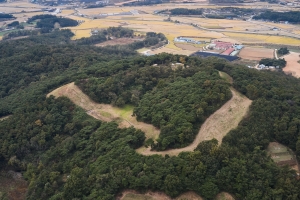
[228, 51]
[222, 45]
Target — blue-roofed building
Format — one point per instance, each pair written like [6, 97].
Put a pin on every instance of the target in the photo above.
[238, 47]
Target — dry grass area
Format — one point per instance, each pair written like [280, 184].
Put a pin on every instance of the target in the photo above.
[66, 12]
[4, 118]
[257, 38]
[14, 188]
[216, 126]
[118, 41]
[254, 53]
[224, 196]
[189, 47]
[172, 51]
[292, 66]
[81, 34]
[133, 195]
[104, 112]
[282, 155]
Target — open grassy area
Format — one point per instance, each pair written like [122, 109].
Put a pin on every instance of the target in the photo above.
[131, 196]
[226, 77]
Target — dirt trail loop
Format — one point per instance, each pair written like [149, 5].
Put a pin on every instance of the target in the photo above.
[216, 126]
[104, 112]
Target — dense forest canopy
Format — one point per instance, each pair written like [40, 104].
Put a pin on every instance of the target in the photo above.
[65, 154]
[49, 22]
[291, 16]
[3, 15]
[185, 11]
[281, 63]
[283, 51]
[158, 93]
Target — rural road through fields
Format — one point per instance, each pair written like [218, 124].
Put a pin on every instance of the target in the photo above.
[216, 126]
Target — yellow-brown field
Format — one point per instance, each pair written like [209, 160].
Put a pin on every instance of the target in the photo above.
[257, 38]
[156, 23]
[27, 15]
[144, 22]
[81, 33]
[67, 12]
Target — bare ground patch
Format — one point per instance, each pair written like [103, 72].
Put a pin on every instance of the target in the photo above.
[5, 117]
[12, 187]
[172, 51]
[292, 65]
[188, 47]
[224, 196]
[252, 53]
[104, 112]
[134, 195]
[118, 41]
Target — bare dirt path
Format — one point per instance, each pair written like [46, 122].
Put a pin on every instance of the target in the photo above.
[104, 112]
[134, 195]
[216, 126]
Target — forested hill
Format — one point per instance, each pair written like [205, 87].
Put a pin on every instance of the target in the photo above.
[65, 154]
[291, 16]
[55, 56]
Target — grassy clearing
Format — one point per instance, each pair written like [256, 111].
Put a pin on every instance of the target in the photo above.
[12, 188]
[279, 152]
[5, 117]
[142, 50]
[224, 196]
[226, 77]
[131, 196]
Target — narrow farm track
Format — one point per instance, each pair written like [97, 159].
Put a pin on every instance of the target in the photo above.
[216, 126]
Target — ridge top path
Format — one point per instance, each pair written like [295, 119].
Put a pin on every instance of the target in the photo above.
[216, 126]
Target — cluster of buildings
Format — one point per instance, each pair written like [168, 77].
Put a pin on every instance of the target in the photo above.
[188, 40]
[262, 66]
[52, 11]
[228, 48]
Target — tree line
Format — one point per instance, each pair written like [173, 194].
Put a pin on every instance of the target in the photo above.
[273, 62]
[290, 16]
[185, 11]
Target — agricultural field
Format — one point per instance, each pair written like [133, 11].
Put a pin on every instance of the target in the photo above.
[156, 23]
[258, 38]
[255, 53]
[190, 47]
[292, 64]
[172, 51]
